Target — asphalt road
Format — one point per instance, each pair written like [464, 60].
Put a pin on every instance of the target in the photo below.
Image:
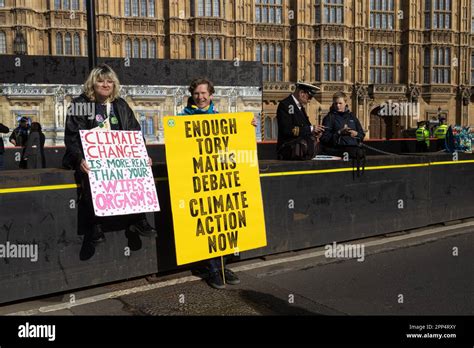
[427, 275]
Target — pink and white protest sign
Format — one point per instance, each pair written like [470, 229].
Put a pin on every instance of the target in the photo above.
[121, 181]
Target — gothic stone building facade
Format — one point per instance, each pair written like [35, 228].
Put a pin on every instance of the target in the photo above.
[412, 59]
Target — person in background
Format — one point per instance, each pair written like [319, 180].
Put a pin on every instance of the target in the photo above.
[422, 137]
[342, 130]
[102, 88]
[293, 121]
[34, 149]
[19, 137]
[3, 129]
[200, 103]
[440, 134]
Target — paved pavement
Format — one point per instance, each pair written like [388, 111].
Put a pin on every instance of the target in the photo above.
[413, 276]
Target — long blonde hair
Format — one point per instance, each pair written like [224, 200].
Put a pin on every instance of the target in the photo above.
[101, 72]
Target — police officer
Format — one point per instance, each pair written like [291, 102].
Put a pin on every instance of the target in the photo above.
[293, 121]
[440, 134]
[422, 137]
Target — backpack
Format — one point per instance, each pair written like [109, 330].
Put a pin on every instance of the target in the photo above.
[299, 149]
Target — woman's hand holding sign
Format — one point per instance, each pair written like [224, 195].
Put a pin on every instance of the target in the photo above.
[84, 166]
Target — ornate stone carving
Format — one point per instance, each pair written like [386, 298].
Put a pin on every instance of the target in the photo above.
[360, 92]
[464, 93]
[414, 92]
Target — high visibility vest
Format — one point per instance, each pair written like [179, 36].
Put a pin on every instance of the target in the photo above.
[441, 131]
[423, 134]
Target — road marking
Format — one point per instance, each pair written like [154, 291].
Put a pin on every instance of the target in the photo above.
[261, 264]
[368, 244]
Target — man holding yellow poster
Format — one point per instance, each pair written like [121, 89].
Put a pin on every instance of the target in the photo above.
[214, 184]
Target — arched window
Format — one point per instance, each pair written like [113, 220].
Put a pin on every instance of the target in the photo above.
[209, 49]
[271, 15]
[128, 48]
[334, 11]
[77, 45]
[265, 62]
[208, 8]
[279, 66]
[441, 65]
[271, 60]
[151, 8]
[216, 8]
[143, 8]
[153, 49]
[66, 5]
[200, 8]
[127, 8]
[136, 49]
[135, 8]
[59, 44]
[271, 54]
[268, 128]
[202, 49]
[333, 62]
[3, 43]
[268, 11]
[381, 65]
[217, 49]
[274, 127]
[258, 53]
[57, 4]
[68, 44]
[150, 125]
[144, 48]
[75, 5]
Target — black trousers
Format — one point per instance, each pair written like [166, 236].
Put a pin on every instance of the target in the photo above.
[86, 209]
[421, 146]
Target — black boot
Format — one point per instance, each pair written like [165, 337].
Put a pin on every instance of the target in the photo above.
[143, 228]
[97, 235]
[134, 241]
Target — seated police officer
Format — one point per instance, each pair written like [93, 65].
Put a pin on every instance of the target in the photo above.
[294, 124]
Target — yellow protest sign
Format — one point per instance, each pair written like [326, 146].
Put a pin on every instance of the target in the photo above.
[214, 181]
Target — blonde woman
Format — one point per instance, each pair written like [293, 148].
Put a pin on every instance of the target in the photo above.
[100, 107]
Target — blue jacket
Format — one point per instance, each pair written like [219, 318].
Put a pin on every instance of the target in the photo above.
[335, 121]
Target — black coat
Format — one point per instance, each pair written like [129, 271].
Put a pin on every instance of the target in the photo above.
[292, 122]
[3, 129]
[74, 123]
[335, 121]
[34, 151]
[20, 136]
